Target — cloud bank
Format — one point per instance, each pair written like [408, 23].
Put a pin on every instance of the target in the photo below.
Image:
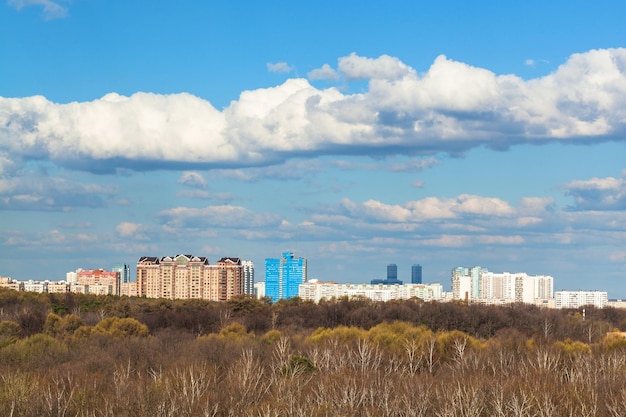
[451, 108]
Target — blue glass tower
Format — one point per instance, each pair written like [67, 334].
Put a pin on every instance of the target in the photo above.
[272, 278]
[124, 271]
[416, 274]
[284, 275]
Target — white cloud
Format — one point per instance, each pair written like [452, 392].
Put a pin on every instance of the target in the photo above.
[43, 193]
[279, 67]
[373, 209]
[598, 193]
[323, 73]
[51, 9]
[431, 208]
[222, 216]
[451, 108]
[386, 67]
[192, 179]
[127, 229]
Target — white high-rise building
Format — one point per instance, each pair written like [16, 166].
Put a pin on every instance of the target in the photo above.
[477, 284]
[248, 277]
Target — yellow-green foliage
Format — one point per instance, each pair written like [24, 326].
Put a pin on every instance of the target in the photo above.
[35, 350]
[83, 332]
[234, 331]
[122, 327]
[447, 342]
[570, 347]
[57, 326]
[340, 333]
[52, 324]
[395, 335]
[272, 336]
[10, 328]
[614, 340]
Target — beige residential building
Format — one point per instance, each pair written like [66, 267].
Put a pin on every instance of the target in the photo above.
[189, 277]
[6, 282]
[58, 287]
[101, 278]
[128, 289]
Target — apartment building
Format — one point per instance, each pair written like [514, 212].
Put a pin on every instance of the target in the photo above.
[190, 277]
[478, 284]
[577, 299]
[315, 290]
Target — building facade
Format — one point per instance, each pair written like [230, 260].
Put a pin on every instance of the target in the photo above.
[102, 281]
[577, 299]
[248, 277]
[189, 277]
[315, 290]
[284, 275]
[124, 271]
[416, 274]
[478, 284]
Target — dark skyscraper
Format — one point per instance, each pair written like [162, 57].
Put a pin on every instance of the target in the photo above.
[392, 272]
[416, 274]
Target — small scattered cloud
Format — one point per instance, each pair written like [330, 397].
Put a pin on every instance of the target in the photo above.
[417, 183]
[598, 193]
[51, 9]
[534, 62]
[281, 67]
[222, 216]
[354, 67]
[192, 179]
[127, 229]
[37, 192]
[323, 73]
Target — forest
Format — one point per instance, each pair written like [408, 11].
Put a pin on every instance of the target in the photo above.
[98, 356]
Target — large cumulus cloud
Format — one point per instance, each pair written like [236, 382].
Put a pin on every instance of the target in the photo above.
[450, 108]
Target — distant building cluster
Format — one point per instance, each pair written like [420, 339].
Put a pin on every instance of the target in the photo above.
[316, 291]
[479, 285]
[193, 277]
[172, 277]
[392, 276]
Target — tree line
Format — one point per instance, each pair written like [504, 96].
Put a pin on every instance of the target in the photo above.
[85, 355]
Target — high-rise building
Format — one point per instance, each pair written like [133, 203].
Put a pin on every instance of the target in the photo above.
[248, 277]
[416, 274]
[284, 275]
[190, 277]
[392, 272]
[124, 271]
[480, 285]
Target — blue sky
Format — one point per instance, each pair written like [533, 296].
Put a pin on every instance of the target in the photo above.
[446, 133]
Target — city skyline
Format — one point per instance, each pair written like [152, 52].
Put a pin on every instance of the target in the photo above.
[406, 132]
